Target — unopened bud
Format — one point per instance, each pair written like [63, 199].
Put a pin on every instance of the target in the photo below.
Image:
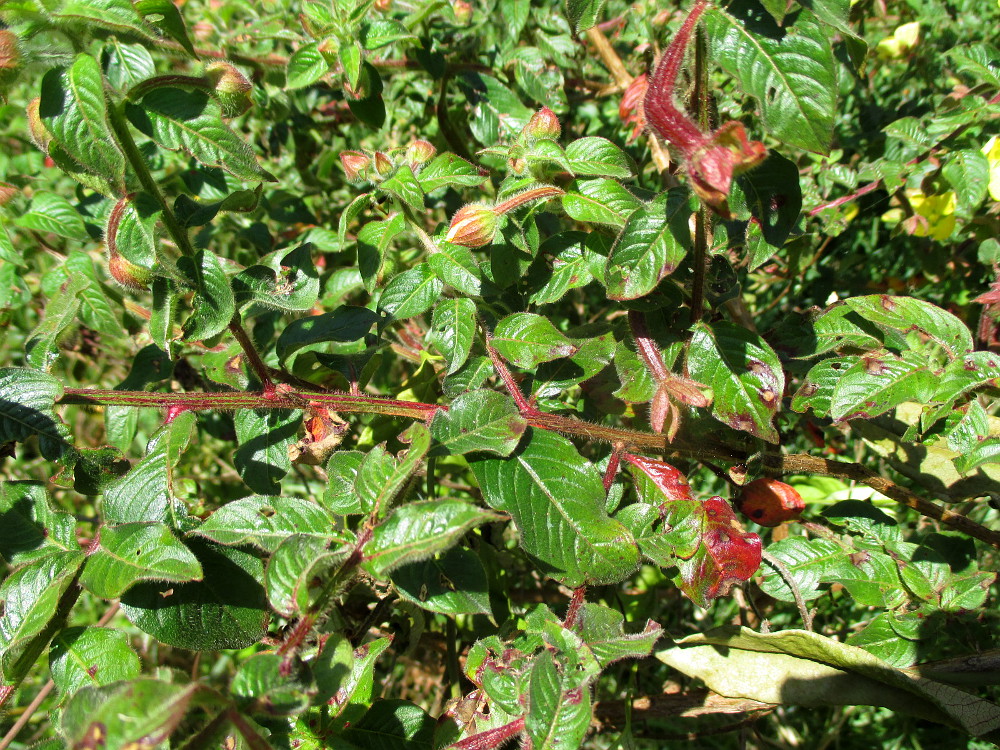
[128, 274]
[383, 6]
[40, 135]
[232, 88]
[383, 164]
[7, 191]
[419, 152]
[543, 124]
[355, 165]
[10, 55]
[463, 12]
[473, 225]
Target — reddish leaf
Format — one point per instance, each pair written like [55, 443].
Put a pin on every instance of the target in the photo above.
[670, 481]
[727, 555]
[703, 539]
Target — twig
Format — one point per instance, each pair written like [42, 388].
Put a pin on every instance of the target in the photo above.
[786, 574]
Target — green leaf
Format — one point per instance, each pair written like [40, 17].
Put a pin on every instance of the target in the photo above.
[116, 15]
[599, 157]
[191, 121]
[454, 583]
[265, 522]
[968, 173]
[381, 32]
[456, 266]
[652, 243]
[264, 686]
[192, 213]
[165, 16]
[816, 391]
[479, 421]
[30, 599]
[42, 347]
[306, 66]
[136, 552]
[146, 493]
[30, 528]
[448, 170]
[228, 604]
[527, 340]
[744, 374]
[409, 294]
[27, 399]
[797, 667]
[789, 70]
[91, 656]
[341, 324]
[979, 60]
[417, 530]
[583, 14]
[601, 201]
[404, 185]
[75, 111]
[297, 564]
[453, 329]
[392, 723]
[95, 311]
[214, 304]
[905, 314]
[131, 229]
[772, 196]
[265, 436]
[556, 500]
[875, 384]
[284, 280]
[374, 239]
[126, 64]
[602, 629]
[559, 711]
[126, 714]
[52, 213]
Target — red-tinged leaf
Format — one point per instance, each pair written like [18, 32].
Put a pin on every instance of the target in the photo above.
[670, 481]
[726, 555]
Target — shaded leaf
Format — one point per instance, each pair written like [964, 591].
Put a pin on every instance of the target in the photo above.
[91, 656]
[27, 399]
[453, 583]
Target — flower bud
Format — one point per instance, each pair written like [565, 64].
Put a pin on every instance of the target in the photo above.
[463, 12]
[40, 135]
[126, 273]
[383, 6]
[543, 124]
[7, 191]
[473, 225]
[630, 108]
[232, 88]
[355, 165]
[10, 56]
[770, 502]
[383, 164]
[419, 152]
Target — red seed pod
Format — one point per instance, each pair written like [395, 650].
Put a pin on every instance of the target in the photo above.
[769, 502]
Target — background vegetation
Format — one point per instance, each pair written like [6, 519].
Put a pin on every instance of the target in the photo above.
[301, 450]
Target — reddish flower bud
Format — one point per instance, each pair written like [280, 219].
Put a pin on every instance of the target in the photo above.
[126, 273]
[7, 192]
[463, 12]
[543, 124]
[630, 108]
[383, 164]
[40, 135]
[419, 152]
[355, 165]
[473, 225]
[383, 6]
[10, 56]
[770, 502]
[232, 88]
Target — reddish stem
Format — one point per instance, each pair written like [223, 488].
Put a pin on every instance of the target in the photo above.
[575, 603]
[523, 406]
[662, 114]
[490, 739]
[614, 462]
[646, 346]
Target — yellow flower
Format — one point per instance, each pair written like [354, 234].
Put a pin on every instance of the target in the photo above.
[992, 152]
[938, 210]
[903, 40]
